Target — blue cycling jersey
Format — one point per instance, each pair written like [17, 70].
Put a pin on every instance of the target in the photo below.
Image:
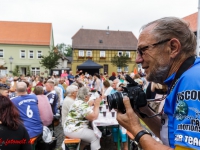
[181, 118]
[29, 113]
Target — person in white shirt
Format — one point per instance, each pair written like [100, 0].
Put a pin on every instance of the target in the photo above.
[68, 101]
[106, 89]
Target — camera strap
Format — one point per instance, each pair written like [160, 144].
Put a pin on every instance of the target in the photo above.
[184, 66]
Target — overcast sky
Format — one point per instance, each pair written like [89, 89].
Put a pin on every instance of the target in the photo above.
[68, 16]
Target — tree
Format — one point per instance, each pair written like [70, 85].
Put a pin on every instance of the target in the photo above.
[69, 51]
[120, 61]
[16, 71]
[50, 61]
[66, 49]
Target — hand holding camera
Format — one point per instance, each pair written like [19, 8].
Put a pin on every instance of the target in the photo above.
[129, 120]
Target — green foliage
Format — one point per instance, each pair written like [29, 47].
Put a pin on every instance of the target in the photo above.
[66, 49]
[69, 51]
[16, 71]
[50, 61]
[28, 71]
[120, 61]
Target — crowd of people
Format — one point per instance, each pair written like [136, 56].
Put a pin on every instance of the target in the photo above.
[166, 51]
[66, 95]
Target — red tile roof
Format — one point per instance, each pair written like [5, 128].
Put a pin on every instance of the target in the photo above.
[192, 20]
[27, 33]
[104, 39]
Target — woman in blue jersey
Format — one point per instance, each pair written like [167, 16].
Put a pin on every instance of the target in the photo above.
[13, 135]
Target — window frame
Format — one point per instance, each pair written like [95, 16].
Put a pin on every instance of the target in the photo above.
[22, 53]
[126, 69]
[87, 52]
[35, 70]
[121, 53]
[30, 53]
[128, 53]
[2, 53]
[102, 53]
[81, 53]
[119, 69]
[38, 54]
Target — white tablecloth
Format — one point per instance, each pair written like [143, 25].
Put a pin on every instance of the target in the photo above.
[104, 121]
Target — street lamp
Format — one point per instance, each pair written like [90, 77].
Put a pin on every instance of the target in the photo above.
[11, 60]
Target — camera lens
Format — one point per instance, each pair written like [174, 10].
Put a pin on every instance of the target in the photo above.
[115, 101]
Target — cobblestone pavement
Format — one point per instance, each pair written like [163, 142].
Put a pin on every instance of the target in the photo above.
[106, 142]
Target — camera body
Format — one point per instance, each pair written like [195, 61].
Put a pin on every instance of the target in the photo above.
[135, 93]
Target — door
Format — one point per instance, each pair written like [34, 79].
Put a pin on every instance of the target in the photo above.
[105, 68]
[23, 70]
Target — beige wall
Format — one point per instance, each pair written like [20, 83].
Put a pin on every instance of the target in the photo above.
[107, 60]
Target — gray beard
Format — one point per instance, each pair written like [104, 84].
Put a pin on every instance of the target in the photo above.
[159, 75]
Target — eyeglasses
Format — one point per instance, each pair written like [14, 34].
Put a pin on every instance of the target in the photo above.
[143, 49]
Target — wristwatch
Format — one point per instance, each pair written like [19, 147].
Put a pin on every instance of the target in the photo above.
[139, 135]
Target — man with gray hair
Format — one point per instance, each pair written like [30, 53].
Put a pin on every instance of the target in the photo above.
[68, 101]
[27, 105]
[167, 53]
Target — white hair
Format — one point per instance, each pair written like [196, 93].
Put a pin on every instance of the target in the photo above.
[82, 92]
[70, 89]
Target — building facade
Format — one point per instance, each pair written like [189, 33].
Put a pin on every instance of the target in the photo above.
[24, 42]
[101, 45]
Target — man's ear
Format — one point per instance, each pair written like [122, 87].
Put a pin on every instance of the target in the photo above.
[175, 46]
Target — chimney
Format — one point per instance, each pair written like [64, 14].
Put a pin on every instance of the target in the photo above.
[107, 32]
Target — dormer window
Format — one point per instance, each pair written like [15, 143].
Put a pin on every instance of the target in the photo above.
[100, 41]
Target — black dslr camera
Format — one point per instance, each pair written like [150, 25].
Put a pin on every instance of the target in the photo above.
[133, 91]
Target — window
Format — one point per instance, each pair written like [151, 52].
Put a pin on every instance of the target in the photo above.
[102, 54]
[89, 53]
[35, 71]
[81, 53]
[120, 53]
[126, 69]
[31, 54]
[39, 54]
[23, 54]
[1, 53]
[128, 54]
[4, 72]
[119, 69]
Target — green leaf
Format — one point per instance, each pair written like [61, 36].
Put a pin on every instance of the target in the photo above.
[120, 61]
[50, 61]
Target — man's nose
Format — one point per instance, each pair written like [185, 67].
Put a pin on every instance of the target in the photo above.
[139, 59]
